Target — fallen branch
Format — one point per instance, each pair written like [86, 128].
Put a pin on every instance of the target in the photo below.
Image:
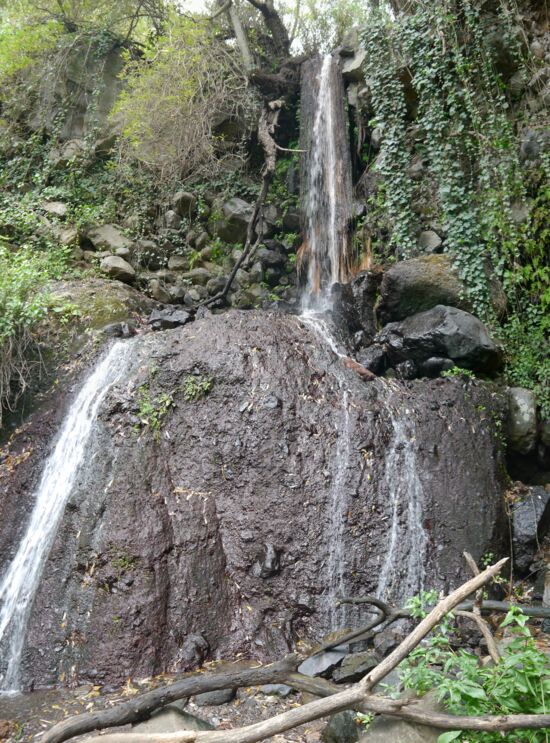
[475, 614]
[140, 707]
[357, 696]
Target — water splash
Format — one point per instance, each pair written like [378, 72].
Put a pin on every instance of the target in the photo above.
[403, 571]
[20, 582]
[327, 191]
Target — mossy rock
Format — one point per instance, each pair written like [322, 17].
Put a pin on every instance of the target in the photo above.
[419, 284]
[96, 303]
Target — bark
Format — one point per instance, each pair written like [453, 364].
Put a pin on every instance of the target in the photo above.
[274, 25]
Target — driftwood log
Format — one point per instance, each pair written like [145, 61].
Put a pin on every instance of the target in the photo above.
[360, 696]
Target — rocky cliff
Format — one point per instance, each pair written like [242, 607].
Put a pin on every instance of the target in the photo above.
[209, 525]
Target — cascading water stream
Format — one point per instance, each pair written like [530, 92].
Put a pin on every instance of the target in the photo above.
[326, 183]
[326, 197]
[19, 584]
[403, 570]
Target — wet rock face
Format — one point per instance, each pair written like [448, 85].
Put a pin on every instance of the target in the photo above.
[212, 535]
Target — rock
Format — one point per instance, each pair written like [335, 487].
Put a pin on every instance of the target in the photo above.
[168, 317]
[322, 664]
[119, 330]
[199, 276]
[214, 698]
[443, 332]
[353, 305]
[55, 208]
[108, 237]
[216, 285]
[150, 254]
[521, 432]
[354, 667]
[291, 220]
[373, 358]
[233, 223]
[256, 273]
[172, 220]
[391, 730]
[228, 466]
[531, 521]
[352, 67]
[193, 651]
[202, 241]
[386, 641]
[69, 151]
[159, 292]
[537, 49]
[268, 562]
[117, 268]
[376, 137]
[123, 252]
[429, 241]
[270, 258]
[178, 263]
[341, 728]
[278, 690]
[169, 719]
[184, 203]
[419, 284]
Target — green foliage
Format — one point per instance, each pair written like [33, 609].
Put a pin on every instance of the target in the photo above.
[526, 343]
[22, 46]
[458, 371]
[187, 81]
[24, 303]
[518, 684]
[153, 410]
[196, 387]
[457, 122]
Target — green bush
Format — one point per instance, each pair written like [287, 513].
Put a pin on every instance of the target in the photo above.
[518, 684]
[24, 303]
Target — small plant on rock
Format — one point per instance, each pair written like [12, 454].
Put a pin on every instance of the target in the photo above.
[196, 387]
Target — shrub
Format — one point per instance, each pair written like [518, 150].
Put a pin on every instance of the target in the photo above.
[188, 82]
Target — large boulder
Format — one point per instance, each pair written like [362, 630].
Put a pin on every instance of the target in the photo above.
[521, 420]
[233, 221]
[117, 268]
[421, 283]
[531, 521]
[108, 237]
[206, 529]
[442, 333]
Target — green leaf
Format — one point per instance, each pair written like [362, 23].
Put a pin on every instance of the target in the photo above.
[449, 736]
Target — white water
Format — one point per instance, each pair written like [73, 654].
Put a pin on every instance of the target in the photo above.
[326, 229]
[19, 583]
[403, 571]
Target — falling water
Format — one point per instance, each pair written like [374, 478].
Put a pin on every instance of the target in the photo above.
[20, 582]
[326, 183]
[326, 199]
[402, 574]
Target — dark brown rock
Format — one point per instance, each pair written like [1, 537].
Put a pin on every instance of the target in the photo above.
[160, 536]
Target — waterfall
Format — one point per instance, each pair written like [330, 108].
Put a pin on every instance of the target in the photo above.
[403, 570]
[326, 210]
[326, 181]
[19, 584]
